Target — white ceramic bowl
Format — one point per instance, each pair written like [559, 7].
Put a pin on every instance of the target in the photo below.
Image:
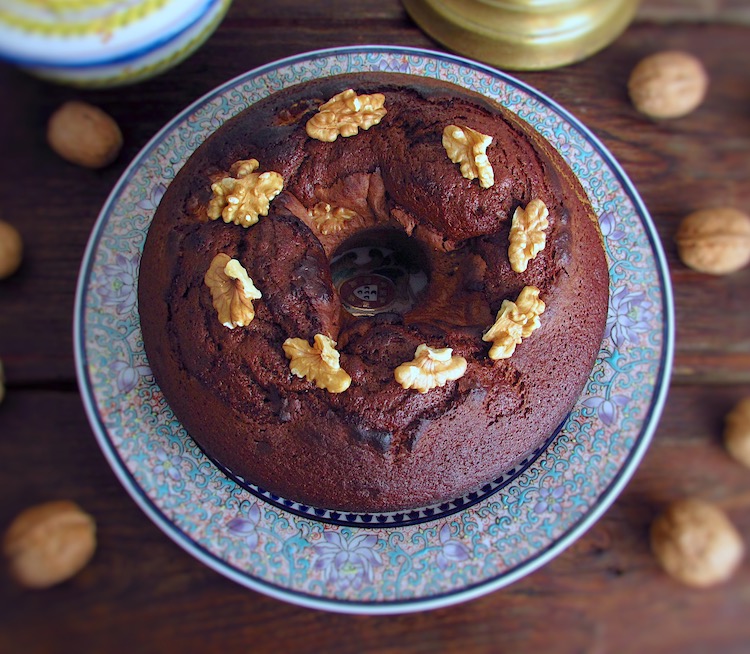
[96, 43]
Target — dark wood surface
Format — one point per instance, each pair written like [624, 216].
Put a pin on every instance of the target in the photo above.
[605, 593]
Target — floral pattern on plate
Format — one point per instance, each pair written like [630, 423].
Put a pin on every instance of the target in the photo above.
[451, 553]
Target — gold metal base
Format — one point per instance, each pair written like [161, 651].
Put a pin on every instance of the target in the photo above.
[523, 34]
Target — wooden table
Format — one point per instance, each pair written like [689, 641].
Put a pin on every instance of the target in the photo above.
[604, 594]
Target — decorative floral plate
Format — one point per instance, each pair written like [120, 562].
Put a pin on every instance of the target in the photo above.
[382, 563]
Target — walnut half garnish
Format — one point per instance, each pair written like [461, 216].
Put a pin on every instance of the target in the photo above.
[330, 220]
[527, 237]
[515, 321]
[232, 291]
[246, 196]
[468, 148]
[430, 368]
[318, 363]
[345, 114]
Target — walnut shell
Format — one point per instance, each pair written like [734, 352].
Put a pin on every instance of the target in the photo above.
[84, 135]
[668, 84]
[11, 249]
[49, 543]
[737, 432]
[715, 241]
[696, 543]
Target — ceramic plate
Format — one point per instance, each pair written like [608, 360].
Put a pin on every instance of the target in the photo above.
[375, 563]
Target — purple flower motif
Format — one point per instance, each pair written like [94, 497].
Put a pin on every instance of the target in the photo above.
[550, 500]
[400, 66]
[152, 201]
[118, 287]
[128, 375]
[629, 315]
[563, 145]
[608, 225]
[347, 561]
[453, 551]
[246, 527]
[168, 465]
[605, 408]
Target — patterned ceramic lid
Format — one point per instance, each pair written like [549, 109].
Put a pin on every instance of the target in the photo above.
[91, 32]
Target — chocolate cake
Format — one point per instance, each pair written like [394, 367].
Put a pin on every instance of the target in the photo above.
[373, 291]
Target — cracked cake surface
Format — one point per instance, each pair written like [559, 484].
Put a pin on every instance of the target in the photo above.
[376, 445]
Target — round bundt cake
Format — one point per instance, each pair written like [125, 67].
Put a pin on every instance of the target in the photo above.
[372, 292]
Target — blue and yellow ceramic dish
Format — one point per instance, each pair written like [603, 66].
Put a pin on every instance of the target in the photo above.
[94, 43]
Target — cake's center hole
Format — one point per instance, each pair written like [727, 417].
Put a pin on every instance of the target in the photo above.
[378, 271]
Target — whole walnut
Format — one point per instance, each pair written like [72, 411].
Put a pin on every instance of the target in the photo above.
[49, 543]
[737, 432]
[84, 135]
[715, 241]
[696, 543]
[668, 84]
[11, 249]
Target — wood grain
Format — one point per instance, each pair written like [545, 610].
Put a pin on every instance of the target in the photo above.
[604, 594]
[734, 12]
[695, 162]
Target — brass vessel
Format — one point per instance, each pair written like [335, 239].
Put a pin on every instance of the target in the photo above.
[523, 34]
